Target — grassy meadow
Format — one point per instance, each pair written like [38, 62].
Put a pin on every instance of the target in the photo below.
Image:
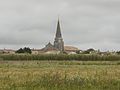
[59, 75]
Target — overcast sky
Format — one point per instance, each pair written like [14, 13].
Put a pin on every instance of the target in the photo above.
[84, 23]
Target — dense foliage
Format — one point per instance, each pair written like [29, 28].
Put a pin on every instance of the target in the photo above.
[78, 57]
[118, 52]
[24, 50]
[89, 51]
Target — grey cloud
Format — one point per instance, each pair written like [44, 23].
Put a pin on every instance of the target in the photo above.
[84, 23]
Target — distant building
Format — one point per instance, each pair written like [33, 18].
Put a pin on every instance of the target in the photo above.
[7, 51]
[35, 51]
[50, 49]
[58, 45]
[71, 49]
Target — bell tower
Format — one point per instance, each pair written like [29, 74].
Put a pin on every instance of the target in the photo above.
[59, 43]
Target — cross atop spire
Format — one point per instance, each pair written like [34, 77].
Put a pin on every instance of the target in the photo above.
[58, 33]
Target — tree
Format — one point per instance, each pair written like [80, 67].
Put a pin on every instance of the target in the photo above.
[20, 50]
[91, 50]
[24, 50]
[118, 52]
[27, 50]
[88, 51]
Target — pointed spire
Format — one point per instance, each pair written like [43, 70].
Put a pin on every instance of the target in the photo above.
[59, 43]
[58, 33]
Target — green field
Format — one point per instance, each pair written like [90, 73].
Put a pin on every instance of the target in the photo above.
[59, 75]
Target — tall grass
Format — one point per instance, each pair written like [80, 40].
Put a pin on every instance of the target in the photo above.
[77, 57]
[59, 75]
[57, 81]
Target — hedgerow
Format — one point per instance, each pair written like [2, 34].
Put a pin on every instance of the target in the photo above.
[78, 57]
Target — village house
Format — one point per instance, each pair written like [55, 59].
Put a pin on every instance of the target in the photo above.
[7, 51]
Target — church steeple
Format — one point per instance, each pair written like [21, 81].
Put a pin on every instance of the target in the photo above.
[59, 43]
[58, 33]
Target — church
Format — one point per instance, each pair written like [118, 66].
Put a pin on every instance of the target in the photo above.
[58, 45]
